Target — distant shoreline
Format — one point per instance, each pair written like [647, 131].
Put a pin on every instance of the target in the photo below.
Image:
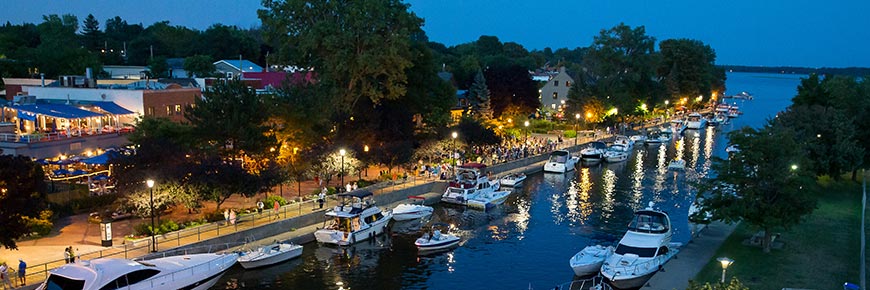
[851, 71]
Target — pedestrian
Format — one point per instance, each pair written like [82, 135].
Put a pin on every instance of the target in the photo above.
[348, 187]
[72, 255]
[226, 216]
[321, 198]
[22, 269]
[233, 217]
[4, 276]
[275, 207]
[355, 186]
[260, 206]
[66, 255]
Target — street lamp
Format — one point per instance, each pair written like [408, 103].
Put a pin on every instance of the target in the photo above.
[576, 120]
[342, 152]
[454, 135]
[527, 130]
[725, 263]
[150, 183]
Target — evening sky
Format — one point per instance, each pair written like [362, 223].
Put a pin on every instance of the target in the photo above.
[743, 32]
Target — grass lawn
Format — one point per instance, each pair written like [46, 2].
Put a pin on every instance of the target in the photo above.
[823, 252]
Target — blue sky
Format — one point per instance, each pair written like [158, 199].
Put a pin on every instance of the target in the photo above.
[766, 32]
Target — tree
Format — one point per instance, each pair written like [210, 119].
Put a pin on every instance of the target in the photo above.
[199, 66]
[162, 154]
[54, 55]
[22, 194]
[360, 49]
[158, 68]
[687, 67]
[765, 184]
[512, 90]
[479, 95]
[91, 33]
[829, 138]
[473, 132]
[428, 95]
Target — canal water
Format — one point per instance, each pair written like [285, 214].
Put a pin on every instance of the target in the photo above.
[526, 242]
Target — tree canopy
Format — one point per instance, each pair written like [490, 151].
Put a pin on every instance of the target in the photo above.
[22, 194]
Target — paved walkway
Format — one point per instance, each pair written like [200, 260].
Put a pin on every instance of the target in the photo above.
[691, 259]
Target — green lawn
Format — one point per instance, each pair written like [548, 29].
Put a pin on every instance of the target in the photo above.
[823, 252]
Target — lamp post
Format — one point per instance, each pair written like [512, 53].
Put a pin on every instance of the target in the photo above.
[342, 152]
[366, 150]
[454, 135]
[150, 183]
[527, 130]
[298, 179]
[576, 121]
[725, 263]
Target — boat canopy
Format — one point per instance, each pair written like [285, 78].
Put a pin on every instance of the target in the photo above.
[649, 221]
[360, 193]
[559, 153]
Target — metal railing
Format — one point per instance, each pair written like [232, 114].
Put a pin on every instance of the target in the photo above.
[55, 136]
[596, 282]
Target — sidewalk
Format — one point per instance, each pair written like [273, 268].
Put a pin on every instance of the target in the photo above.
[691, 258]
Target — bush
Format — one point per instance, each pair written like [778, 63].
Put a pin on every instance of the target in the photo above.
[570, 134]
[80, 205]
[270, 201]
[41, 225]
[144, 229]
[213, 216]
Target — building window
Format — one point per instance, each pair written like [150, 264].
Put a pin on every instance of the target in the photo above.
[150, 111]
[567, 83]
[229, 74]
[555, 95]
[178, 109]
[168, 110]
[555, 83]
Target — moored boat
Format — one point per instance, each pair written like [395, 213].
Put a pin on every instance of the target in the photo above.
[435, 240]
[561, 161]
[589, 260]
[355, 219]
[677, 164]
[410, 211]
[488, 200]
[594, 153]
[269, 255]
[470, 181]
[194, 271]
[642, 251]
[695, 121]
[513, 179]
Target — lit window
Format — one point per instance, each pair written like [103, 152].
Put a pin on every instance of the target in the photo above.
[178, 109]
[150, 111]
[555, 95]
[168, 110]
[567, 83]
[229, 75]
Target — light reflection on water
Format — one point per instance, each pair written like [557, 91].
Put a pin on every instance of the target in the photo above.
[696, 148]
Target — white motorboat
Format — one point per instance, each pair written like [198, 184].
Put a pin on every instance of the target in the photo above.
[269, 255]
[471, 180]
[513, 179]
[561, 161]
[642, 251]
[624, 141]
[194, 271]
[594, 153]
[721, 119]
[637, 138]
[410, 211]
[355, 219]
[435, 240]
[733, 112]
[743, 96]
[589, 260]
[487, 200]
[732, 149]
[722, 109]
[657, 137]
[696, 121]
[617, 153]
[678, 164]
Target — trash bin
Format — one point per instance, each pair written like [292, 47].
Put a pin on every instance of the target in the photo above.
[106, 232]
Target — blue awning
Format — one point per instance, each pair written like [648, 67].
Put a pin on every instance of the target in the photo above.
[53, 110]
[101, 159]
[112, 108]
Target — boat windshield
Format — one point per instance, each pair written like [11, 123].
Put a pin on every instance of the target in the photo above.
[344, 224]
[55, 282]
[649, 222]
[640, 252]
[559, 158]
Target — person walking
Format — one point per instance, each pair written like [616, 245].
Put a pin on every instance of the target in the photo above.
[4, 276]
[260, 206]
[22, 273]
[72, 255]
[66, 255]
[321, 198]
[233, 217]
[275, 207]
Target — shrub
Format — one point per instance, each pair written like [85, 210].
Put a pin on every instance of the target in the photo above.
[144, 229]
[41, 225]
[270, 201]
[213, 216]
[570, 134]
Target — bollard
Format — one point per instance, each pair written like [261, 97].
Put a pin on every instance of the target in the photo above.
[198, 237]
[178, 237]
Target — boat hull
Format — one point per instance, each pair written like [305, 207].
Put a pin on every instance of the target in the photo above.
[343, 238]
[512, 181]
[585, 270]
[556, 167]
[426, 247]
[492, 200]
[208, 283]
[271, 260]
[410, 212]
[626, 282]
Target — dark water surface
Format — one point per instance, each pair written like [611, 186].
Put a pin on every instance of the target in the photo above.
[526, 243]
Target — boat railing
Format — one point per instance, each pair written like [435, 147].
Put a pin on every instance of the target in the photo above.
[209, 267]
[596, 282]
[207, 249]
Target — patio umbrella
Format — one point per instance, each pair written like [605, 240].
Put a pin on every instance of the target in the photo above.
[100, 177]
[79, 172]
[42, 161]
[60, 172]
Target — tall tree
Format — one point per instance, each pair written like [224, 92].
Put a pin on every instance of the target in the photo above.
[22, 194]
[480, 97]
[513, 90]
[54, 55]
[829, 138]
[687, 67]
[765, 184]
[91, 34]
[199, 66]
[360, 49]
[158, 67]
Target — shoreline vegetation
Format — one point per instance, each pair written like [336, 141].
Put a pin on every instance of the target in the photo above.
[849, 71]
[819, 253]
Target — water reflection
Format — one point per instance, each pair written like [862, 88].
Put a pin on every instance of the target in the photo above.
[660, 170]
[637, 181]
[696, 148]
[583, 195]
[680, 147]
[609, 184]
[708, 150]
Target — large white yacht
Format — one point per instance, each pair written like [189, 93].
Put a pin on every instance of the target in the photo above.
[195, 271]
[471, 180]
[561, 161]
[355, 219]
[642, 251]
